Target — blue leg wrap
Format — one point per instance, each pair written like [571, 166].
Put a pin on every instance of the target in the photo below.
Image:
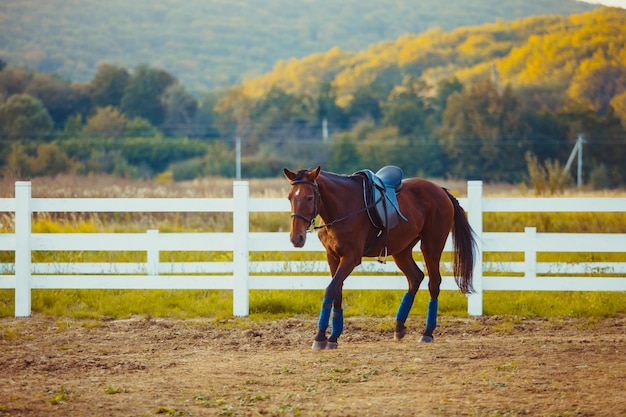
[405, 307]
[431, 317]
[337, 322]
[325, 314]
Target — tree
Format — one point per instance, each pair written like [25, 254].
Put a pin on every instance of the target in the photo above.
[50, 160]
[597, 81]
[180, 109]
[14, 80]
[327, 108]
[82, 100]
[56, 94]
[108, 85]
[140, 127]
[73, 125]
[413, 110]
[382, 147]
[605, 140]
[345, 158]
[549, 134]
[143, 94]
[234, 109]
[23, 116]
[276, 98]
[107, 122]
[445, 88]
[408, 107]
[619, 106]
[16, 161]
[365, 104]
[205, 118]
[280, 116]
[219, 160]
[484, 134]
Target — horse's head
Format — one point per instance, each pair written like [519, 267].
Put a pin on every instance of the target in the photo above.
[304, 197]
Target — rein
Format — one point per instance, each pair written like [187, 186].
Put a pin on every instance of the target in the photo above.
[317, 197]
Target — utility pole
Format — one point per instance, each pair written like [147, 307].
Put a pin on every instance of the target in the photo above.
[578, 149]
[238, 157]
[325, 130]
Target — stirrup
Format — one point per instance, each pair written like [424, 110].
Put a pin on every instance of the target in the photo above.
[383, 258]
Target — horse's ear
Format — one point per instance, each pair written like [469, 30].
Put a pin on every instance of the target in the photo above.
[290, 175]
[316, 172]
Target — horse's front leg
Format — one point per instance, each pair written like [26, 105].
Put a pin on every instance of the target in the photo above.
[333, 298]
[336, 320]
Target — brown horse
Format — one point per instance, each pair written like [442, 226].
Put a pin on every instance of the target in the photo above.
[348, 235]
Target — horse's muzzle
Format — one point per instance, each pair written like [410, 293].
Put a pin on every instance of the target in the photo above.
[298, 240]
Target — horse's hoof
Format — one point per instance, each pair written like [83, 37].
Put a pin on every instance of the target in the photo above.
[320, 345]
[332, 345]
[399, 335]
[426, 339]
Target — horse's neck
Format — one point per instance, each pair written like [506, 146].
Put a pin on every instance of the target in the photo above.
[339, 195]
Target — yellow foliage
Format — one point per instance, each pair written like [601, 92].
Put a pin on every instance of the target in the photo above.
[619, 106]
[108, 121]
[299, 75]
[48, 225]
[537, 51]
[166, 177]
[597, 80]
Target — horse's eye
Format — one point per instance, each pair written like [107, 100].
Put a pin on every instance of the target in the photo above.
[309, 198]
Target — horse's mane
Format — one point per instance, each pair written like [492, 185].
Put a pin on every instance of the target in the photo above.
[335, 175]
[303, 172]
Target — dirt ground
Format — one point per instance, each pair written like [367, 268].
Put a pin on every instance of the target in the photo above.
[493, 366]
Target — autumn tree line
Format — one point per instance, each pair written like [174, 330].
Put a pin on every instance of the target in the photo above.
[495, 103]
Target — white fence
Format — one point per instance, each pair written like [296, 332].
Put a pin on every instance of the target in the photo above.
[241, 274]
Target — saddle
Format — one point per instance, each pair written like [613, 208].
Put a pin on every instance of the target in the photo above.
[380, 194]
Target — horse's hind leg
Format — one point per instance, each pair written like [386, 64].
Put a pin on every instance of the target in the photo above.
[432, 257]
[414, 275]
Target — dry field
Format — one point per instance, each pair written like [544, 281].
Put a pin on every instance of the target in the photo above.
[476, 367]
[109, 186]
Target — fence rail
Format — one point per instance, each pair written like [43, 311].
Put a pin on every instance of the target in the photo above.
[241, 275]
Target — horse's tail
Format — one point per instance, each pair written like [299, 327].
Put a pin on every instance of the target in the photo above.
[464, 241]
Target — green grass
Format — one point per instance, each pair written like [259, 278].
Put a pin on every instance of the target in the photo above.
[556, 222]
[274, 304]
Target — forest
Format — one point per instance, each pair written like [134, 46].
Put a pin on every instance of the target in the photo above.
[208, 44]
[503, 101]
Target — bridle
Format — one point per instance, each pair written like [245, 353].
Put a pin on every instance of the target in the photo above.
[316, 198]
[312, 227]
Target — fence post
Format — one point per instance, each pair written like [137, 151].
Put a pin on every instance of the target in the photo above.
[23, 230]
[475, 217]
[530, 252]
[153, 255]
[241, 229]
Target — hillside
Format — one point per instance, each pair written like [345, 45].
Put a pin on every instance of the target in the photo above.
[550, 52]
[212, 43]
